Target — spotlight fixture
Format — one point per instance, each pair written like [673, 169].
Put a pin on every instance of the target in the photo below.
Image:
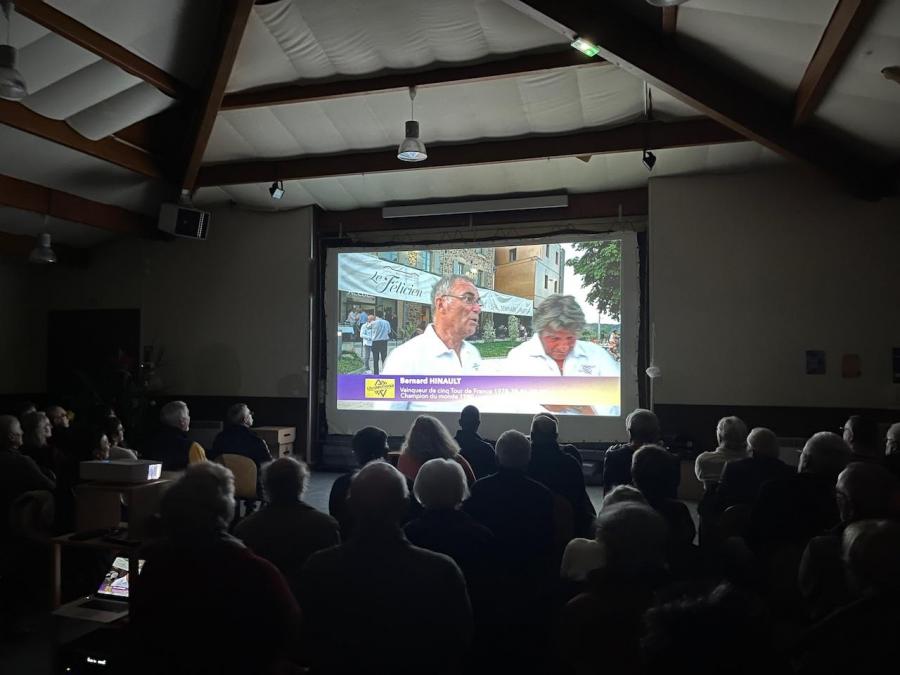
[412, 149]
[12, 84]
[649, 160]
[585, 47]
[666, 3]
[276, 190]
[42, 254]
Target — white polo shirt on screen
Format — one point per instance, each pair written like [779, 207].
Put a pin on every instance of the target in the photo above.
[426, 354]
[585, 360]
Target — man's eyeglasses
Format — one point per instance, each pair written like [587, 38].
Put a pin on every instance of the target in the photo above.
[469, 298]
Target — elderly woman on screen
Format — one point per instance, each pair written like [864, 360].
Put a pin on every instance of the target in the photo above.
[427, 439]
[554, 348]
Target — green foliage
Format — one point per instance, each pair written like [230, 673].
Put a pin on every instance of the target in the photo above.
[495, 349]
[488, 334]
[600, 264]
[349, 362]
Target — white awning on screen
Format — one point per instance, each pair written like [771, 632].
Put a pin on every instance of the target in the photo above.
[365, 273]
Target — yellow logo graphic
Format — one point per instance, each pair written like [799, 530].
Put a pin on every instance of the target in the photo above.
[378, 388]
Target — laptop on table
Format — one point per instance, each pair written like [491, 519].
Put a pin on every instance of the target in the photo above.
[110, 602]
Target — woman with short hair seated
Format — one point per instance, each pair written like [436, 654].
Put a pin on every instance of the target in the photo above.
[427, 439]
[204, 603]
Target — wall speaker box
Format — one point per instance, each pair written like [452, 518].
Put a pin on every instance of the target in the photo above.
[183, 221]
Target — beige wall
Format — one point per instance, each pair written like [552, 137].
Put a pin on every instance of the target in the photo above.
[231, 311]
[749, 271]
[23, 327]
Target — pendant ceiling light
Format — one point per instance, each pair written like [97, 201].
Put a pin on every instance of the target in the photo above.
[12, 84]
[412, 149]
[666, 3]
[42, 254]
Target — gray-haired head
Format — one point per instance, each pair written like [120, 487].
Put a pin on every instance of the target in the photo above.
[175, 414]
[825, 453]
[10, 433]
[284, 480]
[239, 413]
[892, 439]
[558, 312]
[441, 484]
[513, 450]
[634, 536]
[543, 428]
[763, 442]
[622, 493]
[36, 428]
[731, 432]
[865, 490]
[871, 550]
[378, 495]
[444, 285]
[200, 503]
[642, 426]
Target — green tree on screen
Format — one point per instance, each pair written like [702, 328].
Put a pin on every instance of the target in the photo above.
[600, 265]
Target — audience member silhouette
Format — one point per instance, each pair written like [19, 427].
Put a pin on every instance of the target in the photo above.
[731, 433]
[287, 530]
[378, 604]
[861, 434]
[892, 449]
[426, 439]
[171, 444]
[643, 429]
[476, 451]
[205, 603]
[742, 478]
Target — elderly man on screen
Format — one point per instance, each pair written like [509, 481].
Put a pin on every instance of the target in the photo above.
[554, 348]
[442, 349]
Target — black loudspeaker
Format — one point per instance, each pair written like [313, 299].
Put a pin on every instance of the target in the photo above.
[183, 221]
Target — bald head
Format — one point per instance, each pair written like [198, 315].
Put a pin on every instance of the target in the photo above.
[763, 442]
[825, 454]
[378, 495]
[642, 426]
[865, 490]
[10, 433]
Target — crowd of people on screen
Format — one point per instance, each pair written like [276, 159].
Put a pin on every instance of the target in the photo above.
[457, 555]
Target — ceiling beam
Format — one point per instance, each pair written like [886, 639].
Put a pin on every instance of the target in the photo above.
[632, 137]
[490, 70]
[846, 24]
[234, 21]
[625, 42]
[65, 26]
[108, 149]
[670, 19]
[27, 196]
[581, 206]
[21, 245]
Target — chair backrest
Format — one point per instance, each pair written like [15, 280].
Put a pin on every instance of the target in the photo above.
[196, 453]
[244, 470]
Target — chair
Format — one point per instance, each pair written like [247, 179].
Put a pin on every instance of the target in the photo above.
[244, 470]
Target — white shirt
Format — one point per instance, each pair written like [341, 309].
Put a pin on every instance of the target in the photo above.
[710, 465]
[585, 360]
[365, 332]
[426, 354]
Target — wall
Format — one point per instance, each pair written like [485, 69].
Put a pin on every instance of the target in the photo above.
[23, 328]
[749, 271]
[231, 311]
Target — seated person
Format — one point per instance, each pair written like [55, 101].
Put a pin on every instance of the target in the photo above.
[476, 451]
[378, 604]
[426, 439]
[731, 433]
[238, 439]
[892, 449]
[115, 432]
[287, 530]
[62, 433]
[37, 432]
[171, 444]
[205, 603]
[742, 478]
[861, 434]
[369, 444]
[643, 429]
[18, 473]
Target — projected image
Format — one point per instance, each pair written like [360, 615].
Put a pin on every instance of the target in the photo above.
[510, 329]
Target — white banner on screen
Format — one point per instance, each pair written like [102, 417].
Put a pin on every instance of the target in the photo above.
[371, 275]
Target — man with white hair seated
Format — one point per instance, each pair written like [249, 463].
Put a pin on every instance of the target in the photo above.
[795, 509]
[238, 439]
[205, 603]
[642, 427]
[742, 478]
[378, 604]
[731, 434]
[892, 449]
[171, 444]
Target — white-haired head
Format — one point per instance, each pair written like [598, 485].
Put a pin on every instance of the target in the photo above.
[10, 433]
[445, 284]
[634, 537]
[36, 428]
[513, 450]
[558, 312]
[441, 484]
[284, 480]
[200, 502]
[731, 433]
[825, 454]
[240, 413]
[763, 442]
[175, 414]
[642, 426]
[378, 495]
[892, 439]
[622, 493]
